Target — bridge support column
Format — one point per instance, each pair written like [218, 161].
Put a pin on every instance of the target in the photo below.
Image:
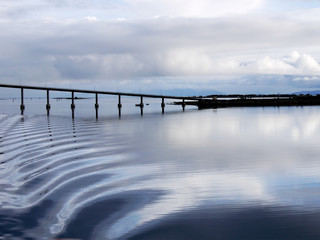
[119, 105]
[163, 105]
[183, 105]
[22, 107]
[73, 106]
[96, 106]
[48, 103]
[141, 105]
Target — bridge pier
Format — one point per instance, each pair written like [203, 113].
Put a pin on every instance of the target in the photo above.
[97, 106]
[119, 105]
[73, 106]
[141, 105]
[163, 105]
[183, 105]
[22, 107]
[48, 103]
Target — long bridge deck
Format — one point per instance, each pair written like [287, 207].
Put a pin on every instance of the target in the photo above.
[210, 101]
[96, 93]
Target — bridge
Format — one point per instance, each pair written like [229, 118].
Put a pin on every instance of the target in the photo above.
[210, 101]
[96, 93]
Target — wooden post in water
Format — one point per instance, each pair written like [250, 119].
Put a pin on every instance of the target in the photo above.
[97, 106]
[48, 103]
[72, 103]
[22, 104]
[183, 105]
[163, 105]
[141, 105]
[119, 105]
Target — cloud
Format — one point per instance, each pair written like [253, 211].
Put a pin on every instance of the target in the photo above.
[127, 8]
[307, 63]
[303, 64]
[133, 9]
[89, 48]
[192, 8]
[56, 9]
[178, 63]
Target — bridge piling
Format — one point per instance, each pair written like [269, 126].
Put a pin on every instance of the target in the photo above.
[48, 103]
[119, 105]
[183, 105]
[22, 107]
[72, 103]
[141, 105]
[97, 106]
[163, 105]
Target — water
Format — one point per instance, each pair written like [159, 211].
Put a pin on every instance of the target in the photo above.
[237, 173]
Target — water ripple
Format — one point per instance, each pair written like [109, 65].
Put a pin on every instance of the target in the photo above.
[52, 170]
[71, 164]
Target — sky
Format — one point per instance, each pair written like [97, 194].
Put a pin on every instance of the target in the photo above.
[230, 46]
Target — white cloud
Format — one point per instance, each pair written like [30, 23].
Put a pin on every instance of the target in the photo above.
[296, 64]
[270, 65]
[64, 9]
[192, 8]
[175, 63]
[127, 8]
[89, 47]
[186, 62]
[90, 18]
[307, 63]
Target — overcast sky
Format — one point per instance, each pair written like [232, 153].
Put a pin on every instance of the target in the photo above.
[245, 46]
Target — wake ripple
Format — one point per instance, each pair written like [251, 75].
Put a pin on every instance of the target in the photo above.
[106, 179]
[71, 164]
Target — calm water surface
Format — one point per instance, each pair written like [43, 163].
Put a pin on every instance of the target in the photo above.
[237, 173]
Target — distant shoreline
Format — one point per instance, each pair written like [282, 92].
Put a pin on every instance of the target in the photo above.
[253, 101]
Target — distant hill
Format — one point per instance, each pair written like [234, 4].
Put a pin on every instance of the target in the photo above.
[315, 92]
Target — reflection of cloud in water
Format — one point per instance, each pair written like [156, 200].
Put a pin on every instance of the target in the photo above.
[272, 170]
[188, 192]
[211, 189]
[298, 128]
[197, 130]
[233, 157]
[273, 178]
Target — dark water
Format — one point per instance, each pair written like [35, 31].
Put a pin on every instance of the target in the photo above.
[247, 173]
